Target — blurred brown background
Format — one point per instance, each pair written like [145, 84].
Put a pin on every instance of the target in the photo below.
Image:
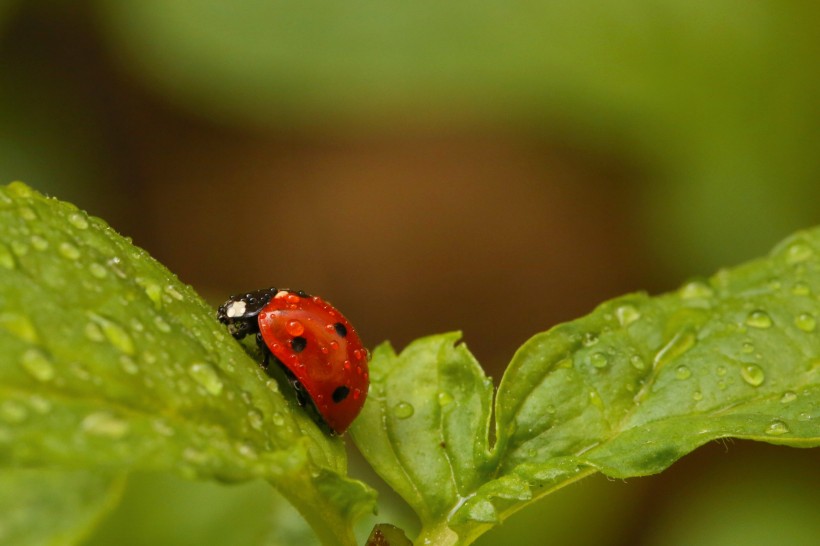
[488, 167]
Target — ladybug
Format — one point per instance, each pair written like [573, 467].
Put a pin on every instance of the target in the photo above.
[312, 342]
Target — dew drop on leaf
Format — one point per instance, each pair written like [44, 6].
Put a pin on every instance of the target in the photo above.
[69, 251]
[595, 400]
[589, 339]
[162, 325]
[206, 376]
[255, 419]
[19, 326]
[12, 412]
[444, 398]
[37, 365]
[78, 221]
[695, 290]
[627, 314]
[128, 365]
[102, 423]
[753, 374]
[720, 371]
[804, 416]
[788, 397]
[599, 360]
[798, 252]
[27, 214]
[801, 289]
[683, 372]
[806, 322]
[776, 428]
[637, 362]
[278, 419]
[759, 319]
[97, 270]
[6, 258]
[697, 396]
[403, 410]
[38, 243]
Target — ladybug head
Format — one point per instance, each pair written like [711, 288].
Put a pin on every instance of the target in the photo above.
[240, 312]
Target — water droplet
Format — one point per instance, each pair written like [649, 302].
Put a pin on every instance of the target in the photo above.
[6, 257]
[788, 397]
[777, 428]
[595, 400]
[102, 423]
[683, 372]
[444, 398]
[747, 347]
[697, 396]
[801, 289]
[278, 419]
[599, 360]
[804, 416]
[246, 450]
[589, 339]
[18, 325]
[161, 325]
[759, 319]
[677, 346]
[98, 270]
[115, 334]
[255, 419]
[720, 371]
[116, 266]
[69, 251]
[171, 291]
[12, 412]
[26, 213]
[722, 385]
[39, 243]
[798, 252]
[206, 375]
[93, 332]
[753, 374]
[18, 189]
[152, 290]
[37, 365]
[403, 410]
[627, 314]
[128, 365]
[637, 362]
[78, 221]
[806, 322]
[39, 404]
[295, 328]
[695, 290]
[162, 427]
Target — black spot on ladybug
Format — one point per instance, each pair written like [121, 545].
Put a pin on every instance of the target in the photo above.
[340, 393]
[340, 329]
[302, 294]
[298, 344]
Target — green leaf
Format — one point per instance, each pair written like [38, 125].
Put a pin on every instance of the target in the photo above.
[626, 391]
[109, 361]
[51, 506]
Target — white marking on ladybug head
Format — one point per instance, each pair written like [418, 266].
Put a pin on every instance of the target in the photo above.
[236, 308]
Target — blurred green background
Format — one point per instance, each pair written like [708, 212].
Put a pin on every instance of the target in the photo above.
[490, 166]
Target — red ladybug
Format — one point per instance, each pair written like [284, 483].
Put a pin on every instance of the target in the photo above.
[314, 344]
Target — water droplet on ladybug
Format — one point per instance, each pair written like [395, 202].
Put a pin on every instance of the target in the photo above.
[295, 328]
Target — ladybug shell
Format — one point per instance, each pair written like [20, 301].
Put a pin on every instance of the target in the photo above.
[320, 347]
